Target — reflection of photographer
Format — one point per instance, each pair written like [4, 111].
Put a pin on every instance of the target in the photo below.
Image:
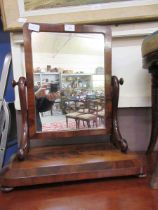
[45, 97]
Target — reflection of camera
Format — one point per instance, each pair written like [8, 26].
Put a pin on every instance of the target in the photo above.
[54, 88]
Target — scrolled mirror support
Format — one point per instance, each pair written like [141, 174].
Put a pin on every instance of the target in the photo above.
[24, 140]
[117, 139]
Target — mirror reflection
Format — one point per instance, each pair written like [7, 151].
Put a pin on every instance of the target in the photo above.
[68, 80]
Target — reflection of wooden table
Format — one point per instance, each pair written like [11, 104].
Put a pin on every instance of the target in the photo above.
[73, 100]
[71, 103]
[87, 112]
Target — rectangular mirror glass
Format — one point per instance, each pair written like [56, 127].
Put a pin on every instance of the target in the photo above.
[69, 81]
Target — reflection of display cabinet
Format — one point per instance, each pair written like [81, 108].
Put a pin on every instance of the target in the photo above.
[72, 83]
[50, 77]
[76, 81]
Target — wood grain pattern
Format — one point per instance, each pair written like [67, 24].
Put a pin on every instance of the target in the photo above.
[113, 194]
[75, 162]
[106, 16]
[150, 61]
[106, 194]
[24, 139]
[116, 138]
[69, 162]
[106, 31]
[47, 4]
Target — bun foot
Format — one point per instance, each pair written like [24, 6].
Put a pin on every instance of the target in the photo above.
[6, 189]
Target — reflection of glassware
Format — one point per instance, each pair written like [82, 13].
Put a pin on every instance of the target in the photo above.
[80, 84]
[36, 70]
[48, 67]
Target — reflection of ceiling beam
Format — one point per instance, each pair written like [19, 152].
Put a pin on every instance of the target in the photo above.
[89, 36]
[62, 46]
[70, 36]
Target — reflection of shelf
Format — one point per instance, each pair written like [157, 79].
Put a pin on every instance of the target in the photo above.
[76, 75]
[76, 81]
[46, 73]
[50, 76]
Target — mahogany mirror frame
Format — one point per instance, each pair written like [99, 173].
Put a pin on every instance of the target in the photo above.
[79, 161]
[60, 28]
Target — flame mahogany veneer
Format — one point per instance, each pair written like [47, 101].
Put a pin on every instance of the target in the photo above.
[32, 166]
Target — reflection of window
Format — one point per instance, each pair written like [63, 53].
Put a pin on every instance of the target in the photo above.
[98, 82]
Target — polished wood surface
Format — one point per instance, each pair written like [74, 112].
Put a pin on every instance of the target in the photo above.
[150, 61]
[60, 28]
[117, 138]
[24, 138]
[121, 193]
[70, 162]
[121, 14]
[67, 163]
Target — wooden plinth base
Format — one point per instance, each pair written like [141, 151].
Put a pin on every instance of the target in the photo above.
[68, 163]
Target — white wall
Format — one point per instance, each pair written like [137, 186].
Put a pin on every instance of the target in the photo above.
[85, 63]
[126, 62]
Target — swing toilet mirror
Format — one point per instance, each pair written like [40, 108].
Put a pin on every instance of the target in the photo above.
[56, 76]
